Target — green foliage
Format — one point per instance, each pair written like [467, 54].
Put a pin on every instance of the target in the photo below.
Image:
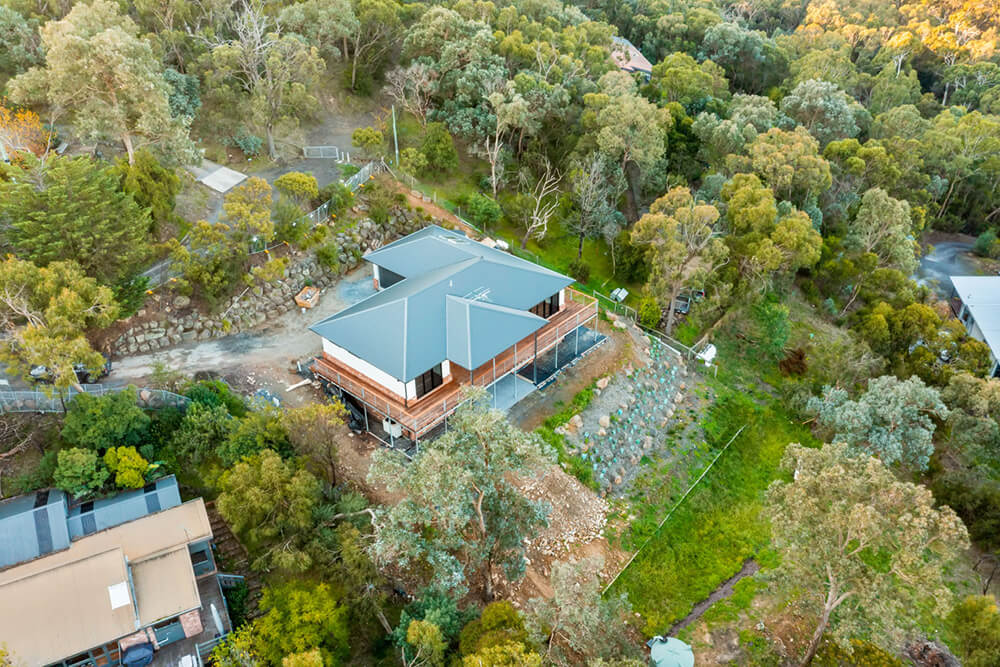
[849, 531]
[650, 312]
[217, 392]
[434, 606]
[38, 476]
[578, 620]
[772, 322]
[202, 431]
[101, 422]
[368, 139]
[329, 256]
[580, 271]
[270, 505]
[412, 161]
[432, 526]
[256, 431]
[151, 185]
[247, 142]
[500, 623]
[974, 498]
[300, 187]
[301, 616]
[339, 195]
[184, 97]
[719, 525]
[861, 654]
[439, 148]
[482, 210]
[987, 244]
[99, 70]
[73, 209]
[128, 466]
[976, 624]
[236, 602]
[80, 472]
[891, 421]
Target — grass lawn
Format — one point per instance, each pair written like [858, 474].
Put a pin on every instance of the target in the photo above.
[557, 250]
[721, 523]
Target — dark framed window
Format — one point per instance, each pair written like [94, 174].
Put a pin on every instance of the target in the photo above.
[429, 380]
[547, 308]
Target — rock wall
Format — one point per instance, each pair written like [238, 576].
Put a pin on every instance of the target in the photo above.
[169, 319]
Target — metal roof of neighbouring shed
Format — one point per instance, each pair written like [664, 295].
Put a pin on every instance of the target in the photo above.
[458, 300]
[981, 295]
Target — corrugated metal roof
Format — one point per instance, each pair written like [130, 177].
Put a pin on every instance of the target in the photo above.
[60, 604]
[89, 517]
[981, 295]
[32, 526]
[39, 523]
[404, 330]
[479, 331]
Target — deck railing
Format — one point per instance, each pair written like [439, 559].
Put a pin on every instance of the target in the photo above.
[427, 415]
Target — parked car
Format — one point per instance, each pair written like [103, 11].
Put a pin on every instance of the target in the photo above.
[83, 376]
[682, 304]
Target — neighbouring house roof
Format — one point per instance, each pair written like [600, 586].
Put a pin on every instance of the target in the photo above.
[981, 295]
[104, 586]
[32, 526]
[458, 300]
[628, 57]
[39, 523]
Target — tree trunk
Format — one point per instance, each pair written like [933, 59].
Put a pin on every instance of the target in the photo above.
[524, 240]
[272, 152]
[632, 192]
[127, 140]
[354, 69]
[817, 636]
[579, 248]
[832, 602]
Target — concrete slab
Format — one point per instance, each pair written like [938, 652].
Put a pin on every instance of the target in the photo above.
[223, 179]
[508, 390]
[214, 175]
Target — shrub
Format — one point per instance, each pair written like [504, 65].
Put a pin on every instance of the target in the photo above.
[100, 422]
[482, 210]
[250, 144]
[128, 466]
[976, 624]
[650, 312]
[339, 195]
[985, 243]
[217, 392]
[630, 259]
[500, 623]
[439, 148]
[300, 186]
[289, 224]
[80, 472]
[580, 271]
[329, 256]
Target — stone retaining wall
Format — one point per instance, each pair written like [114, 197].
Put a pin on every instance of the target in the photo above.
[177, 323]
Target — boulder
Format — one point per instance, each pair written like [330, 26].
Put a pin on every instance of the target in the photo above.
[602, 383]
[604, 421]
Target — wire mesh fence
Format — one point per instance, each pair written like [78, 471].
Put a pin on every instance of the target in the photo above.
[41, 401]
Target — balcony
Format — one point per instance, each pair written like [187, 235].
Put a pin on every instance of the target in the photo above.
[418, 416]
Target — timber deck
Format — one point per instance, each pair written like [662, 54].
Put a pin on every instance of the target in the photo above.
[417, 416]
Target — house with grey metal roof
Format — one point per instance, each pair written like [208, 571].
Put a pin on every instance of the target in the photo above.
[111, 581]
[448, 311]
[979, 311]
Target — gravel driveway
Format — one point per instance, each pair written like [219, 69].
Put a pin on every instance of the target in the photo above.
[274, 348]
